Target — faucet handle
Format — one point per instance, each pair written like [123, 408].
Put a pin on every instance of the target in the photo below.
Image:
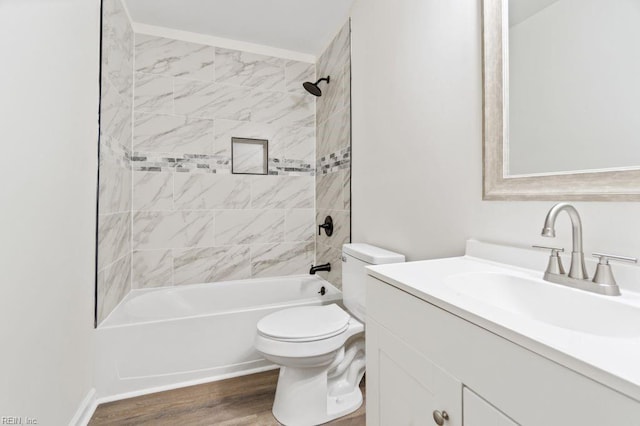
[555, 263]
[605, 258]
[554, 250]
[604, 274]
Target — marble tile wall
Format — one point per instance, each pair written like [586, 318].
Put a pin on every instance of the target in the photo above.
[333, 152]
[194, 221]
[114, 203]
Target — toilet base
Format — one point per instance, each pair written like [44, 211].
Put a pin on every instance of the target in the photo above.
[317, 395]
[303, 401]
[338, 406]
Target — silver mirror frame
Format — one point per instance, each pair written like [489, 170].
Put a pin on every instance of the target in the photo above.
[584, 186]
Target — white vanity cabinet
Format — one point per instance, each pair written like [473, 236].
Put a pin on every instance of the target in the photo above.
[421, 358]
[478, 412]
[407, 386]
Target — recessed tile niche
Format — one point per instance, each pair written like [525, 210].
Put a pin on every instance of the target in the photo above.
[249, 156]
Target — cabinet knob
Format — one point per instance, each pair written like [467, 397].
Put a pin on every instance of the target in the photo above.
[440, 417]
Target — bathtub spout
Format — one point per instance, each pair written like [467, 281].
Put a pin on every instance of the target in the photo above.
[325, 267]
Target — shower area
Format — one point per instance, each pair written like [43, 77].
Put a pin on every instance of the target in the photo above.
[217, 168]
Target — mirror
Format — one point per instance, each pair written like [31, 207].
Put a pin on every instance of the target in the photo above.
[561, 106]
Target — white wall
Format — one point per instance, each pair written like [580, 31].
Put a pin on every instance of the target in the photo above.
[48, 131]
[417, 140]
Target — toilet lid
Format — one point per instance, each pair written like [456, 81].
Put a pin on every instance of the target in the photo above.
[304, 324]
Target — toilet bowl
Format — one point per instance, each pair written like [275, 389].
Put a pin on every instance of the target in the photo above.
[318, 379]
[321, 349]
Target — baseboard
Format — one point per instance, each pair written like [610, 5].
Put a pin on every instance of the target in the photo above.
[85, 410]
[184, 384]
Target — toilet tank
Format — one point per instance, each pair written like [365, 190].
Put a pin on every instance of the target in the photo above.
[355, 257]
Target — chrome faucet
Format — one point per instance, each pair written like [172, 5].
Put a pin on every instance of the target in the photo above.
[577, 269]
[603, 281]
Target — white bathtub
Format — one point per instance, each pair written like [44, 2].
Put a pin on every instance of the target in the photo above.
[169, 337]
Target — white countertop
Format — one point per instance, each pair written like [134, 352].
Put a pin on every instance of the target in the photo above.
[612, 361]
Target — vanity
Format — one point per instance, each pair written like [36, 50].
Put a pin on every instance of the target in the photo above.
[483, 340]
[492, 338]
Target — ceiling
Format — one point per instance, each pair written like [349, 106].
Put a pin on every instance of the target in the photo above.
[304, 26]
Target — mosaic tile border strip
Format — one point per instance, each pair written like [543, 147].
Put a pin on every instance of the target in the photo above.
[205, 163]
[185, 163]
[290, 167]
[334, 162]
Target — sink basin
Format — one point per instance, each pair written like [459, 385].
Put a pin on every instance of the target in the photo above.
[550, 303]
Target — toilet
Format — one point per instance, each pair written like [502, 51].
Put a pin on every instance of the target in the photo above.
[320, 349]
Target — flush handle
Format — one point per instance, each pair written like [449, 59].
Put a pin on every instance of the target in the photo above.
[440, 417]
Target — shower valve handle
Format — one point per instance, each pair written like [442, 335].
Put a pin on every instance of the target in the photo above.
[327, 226]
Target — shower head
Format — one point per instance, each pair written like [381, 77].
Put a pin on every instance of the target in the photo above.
[313, 87]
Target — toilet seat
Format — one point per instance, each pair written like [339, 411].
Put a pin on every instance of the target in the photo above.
[305, 324]
[292, 342]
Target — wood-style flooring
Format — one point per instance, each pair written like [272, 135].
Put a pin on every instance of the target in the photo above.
[239, 401]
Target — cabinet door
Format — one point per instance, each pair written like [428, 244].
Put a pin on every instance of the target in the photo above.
[404, 387]
[478, 412]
